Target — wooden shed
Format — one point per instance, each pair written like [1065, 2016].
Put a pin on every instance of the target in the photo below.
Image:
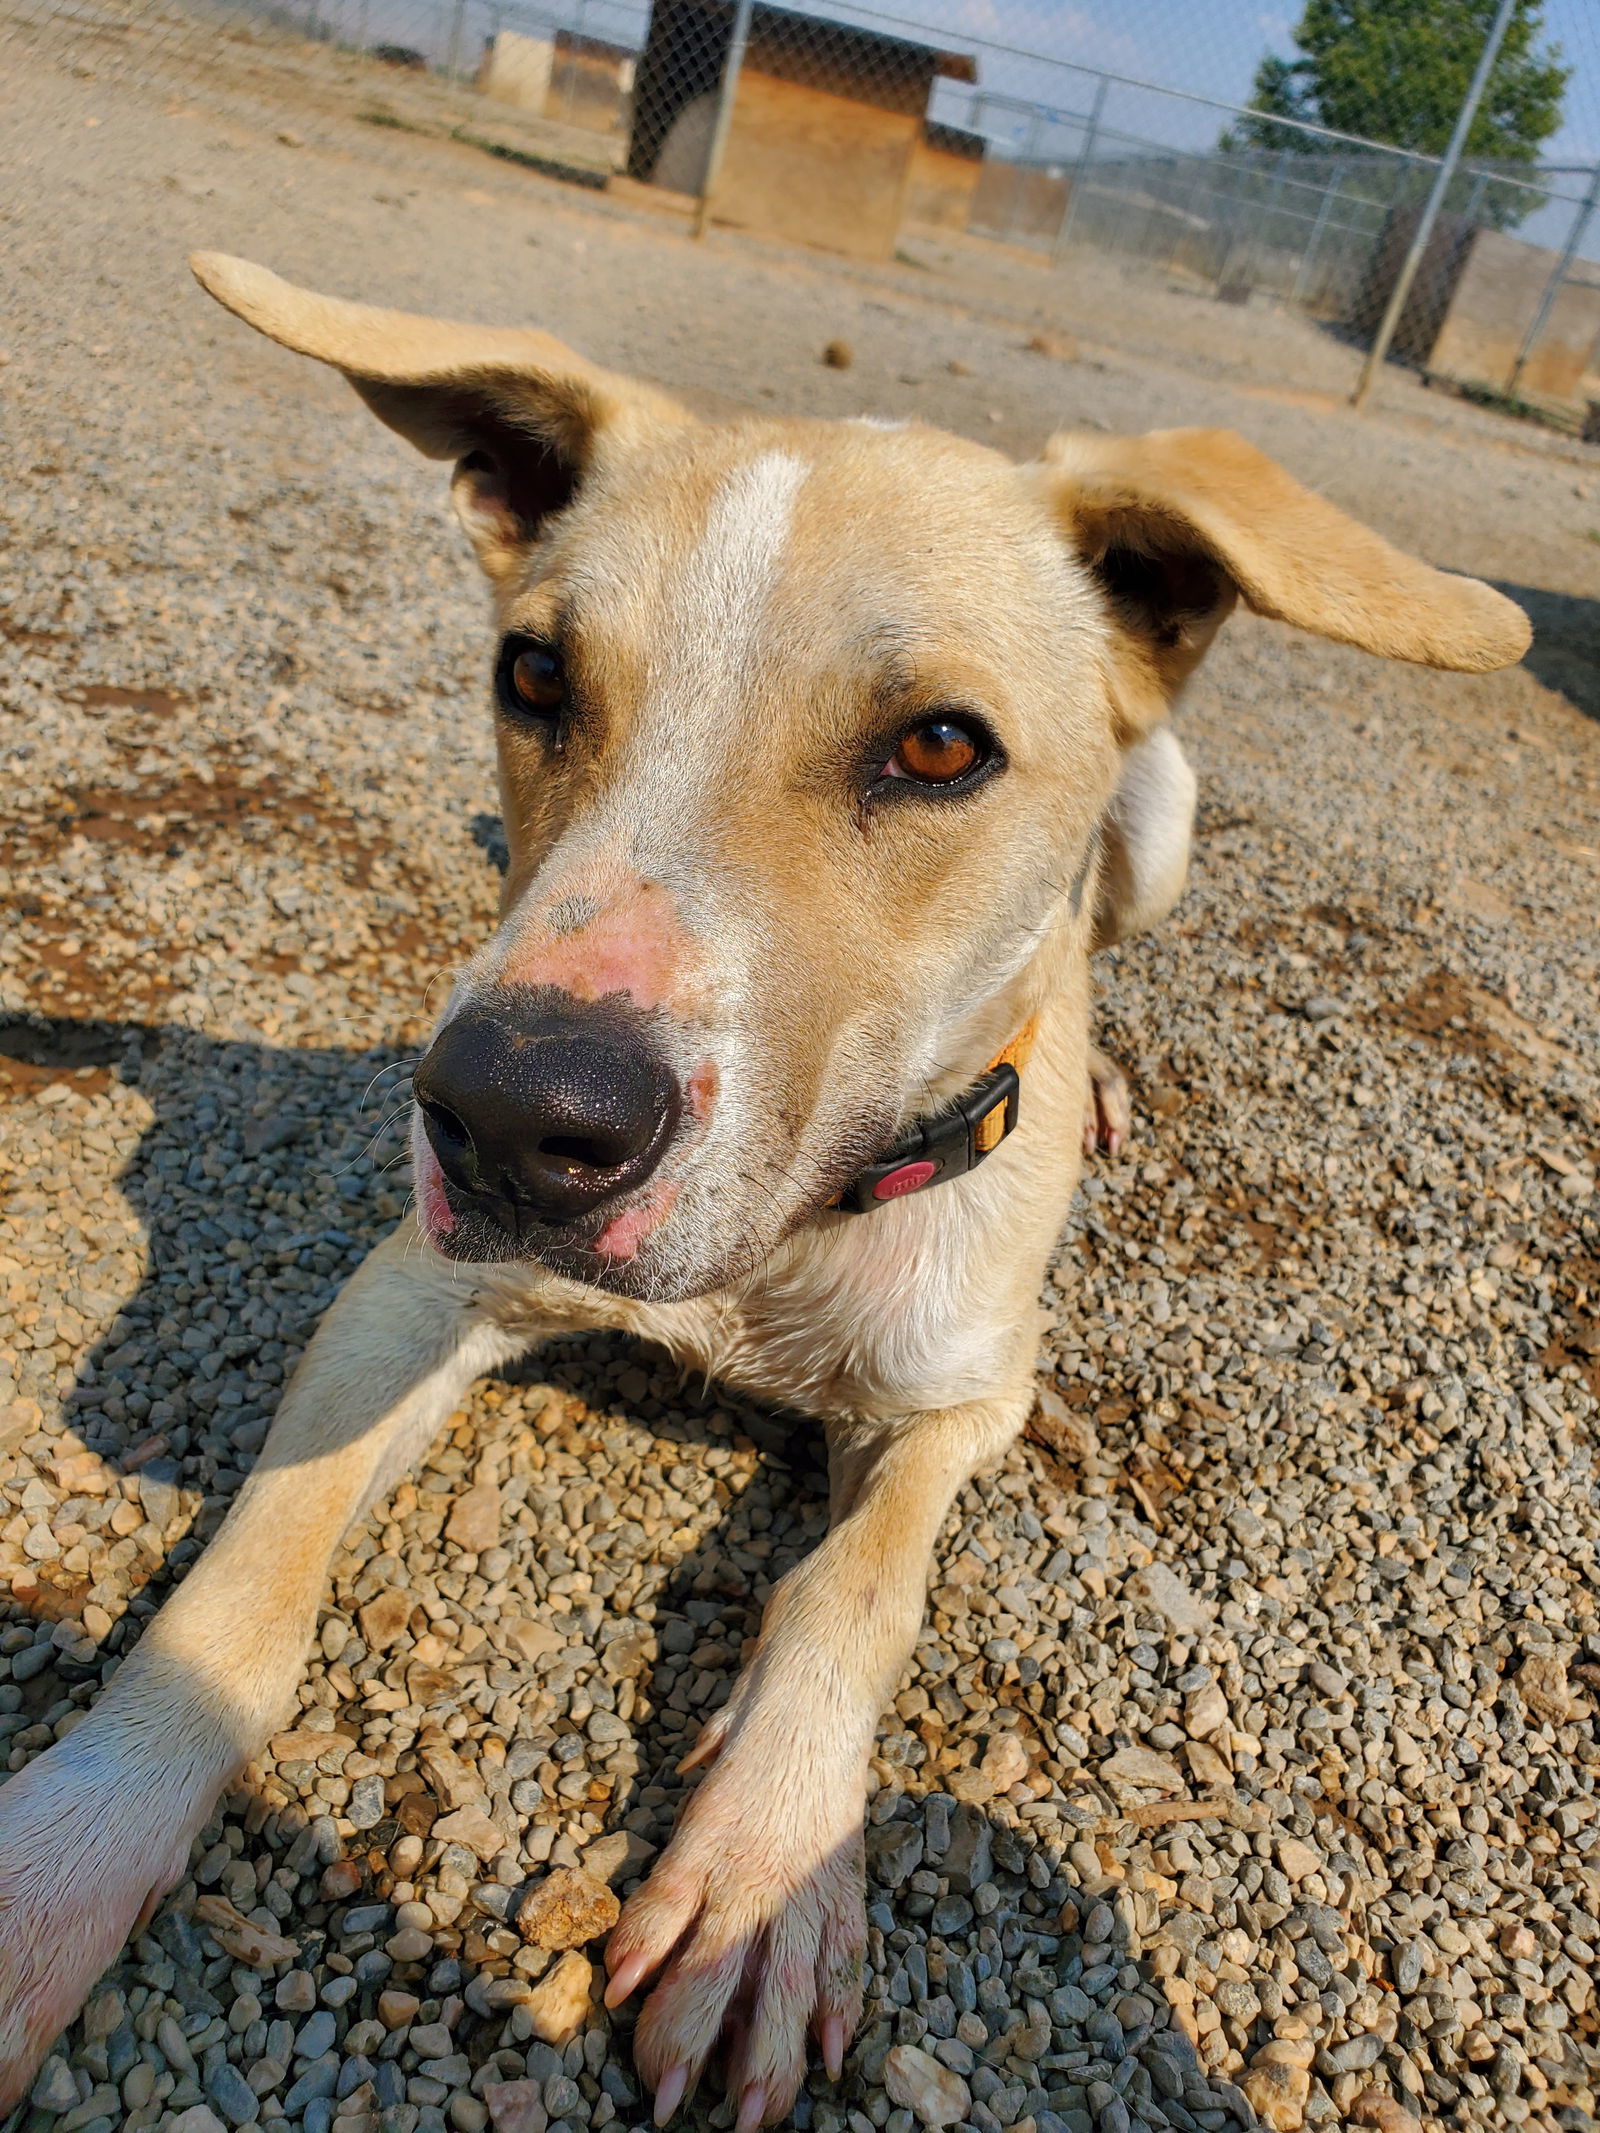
[1476, 293]
[825, 127]
[580, 81]
[591, 82]
[946, 165]
[515, 69]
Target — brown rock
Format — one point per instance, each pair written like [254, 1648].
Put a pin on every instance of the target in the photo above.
[531, 1640]
[1205, 1712]
[1142, 1766]
[1180, 1999]
[1517, 1942]
[838, 355]
[625, 1658]
[1298, 1860]
[470, 1826]
[958, 369]
[416, 1813]
[396, 2009]
[383, 1620]
[618, 1857]
[1376, 2107]
[303, 1746]
[1206, 1766]
[559, 2003]
[1542, 1684]
[1278, 2084]
[452, 1782]
[339, 1881]
[918, 2083]
[516, 2106]
[1066, 1431]
[240, 1937]
[1005, 1762]
[474, 1521]
[975, 1787]
[1288, 2051]
[1060, 345]
[566, 1910]
[1171, 1597]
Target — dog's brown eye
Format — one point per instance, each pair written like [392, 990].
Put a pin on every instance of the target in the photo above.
[938, 752]
[531, 684]
[538, 680]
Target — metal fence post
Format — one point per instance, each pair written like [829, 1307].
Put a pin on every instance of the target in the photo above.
[1080, 175]
[1330, 193]
[457, 20]
[1027, 160]
[1558, 274]
[727, 90]
[1435, 200]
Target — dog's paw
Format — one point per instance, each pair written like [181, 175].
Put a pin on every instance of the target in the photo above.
[755, 1918]
[1108, 1106]
[76, 1880]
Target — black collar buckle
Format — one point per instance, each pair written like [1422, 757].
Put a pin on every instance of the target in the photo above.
[935, 1150]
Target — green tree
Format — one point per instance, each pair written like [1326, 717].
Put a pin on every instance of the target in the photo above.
[1397, 71]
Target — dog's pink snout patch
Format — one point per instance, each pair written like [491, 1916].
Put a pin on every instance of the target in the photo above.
[910, 1177]
[632, 945]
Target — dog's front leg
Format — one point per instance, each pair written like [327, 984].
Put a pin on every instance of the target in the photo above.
[94, 1832]
[756, 1907]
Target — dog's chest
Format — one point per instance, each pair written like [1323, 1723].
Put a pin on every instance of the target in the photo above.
[877, 1316]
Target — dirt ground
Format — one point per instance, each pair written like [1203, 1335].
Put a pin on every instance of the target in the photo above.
[1263, 1684]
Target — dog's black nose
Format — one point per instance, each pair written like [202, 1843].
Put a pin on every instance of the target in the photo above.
[545, 1105]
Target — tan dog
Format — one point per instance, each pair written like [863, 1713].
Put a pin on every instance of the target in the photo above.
[828, 753]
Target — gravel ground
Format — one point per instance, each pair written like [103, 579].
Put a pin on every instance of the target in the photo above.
[1248, 1765]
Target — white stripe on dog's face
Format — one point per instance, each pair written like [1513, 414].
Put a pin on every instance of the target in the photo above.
[723, 592]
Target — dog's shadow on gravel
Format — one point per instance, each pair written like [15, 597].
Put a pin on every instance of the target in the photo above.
[1565, 653]
[258, 1192]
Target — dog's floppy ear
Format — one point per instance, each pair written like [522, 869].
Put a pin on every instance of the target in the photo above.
[523, 417]
[1178, 523]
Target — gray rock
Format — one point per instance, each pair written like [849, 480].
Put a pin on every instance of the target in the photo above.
[232, 2095]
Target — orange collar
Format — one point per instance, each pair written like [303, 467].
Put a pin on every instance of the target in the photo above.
[954, 1141]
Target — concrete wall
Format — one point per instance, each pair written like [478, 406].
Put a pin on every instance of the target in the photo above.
[516, 69]
[939, 194]
[1495, 298]
[812, 166]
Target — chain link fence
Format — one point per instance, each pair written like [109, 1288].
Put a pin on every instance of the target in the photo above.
[911, 142]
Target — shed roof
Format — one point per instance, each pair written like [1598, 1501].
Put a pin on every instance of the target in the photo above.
[687, 45]
[872, 50]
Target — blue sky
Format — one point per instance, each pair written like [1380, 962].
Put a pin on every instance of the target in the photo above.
[1207, 47]
[1214, 49]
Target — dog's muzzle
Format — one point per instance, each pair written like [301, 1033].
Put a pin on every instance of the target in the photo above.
[543, 1111]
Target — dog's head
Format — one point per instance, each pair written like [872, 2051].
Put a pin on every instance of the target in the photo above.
[805, 729]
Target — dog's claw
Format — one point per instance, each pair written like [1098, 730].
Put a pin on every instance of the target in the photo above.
[708, 1743]
[1108, 1106]
[754, 1920]
[629, 1975]
[669, 2092]
[832, 2039]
